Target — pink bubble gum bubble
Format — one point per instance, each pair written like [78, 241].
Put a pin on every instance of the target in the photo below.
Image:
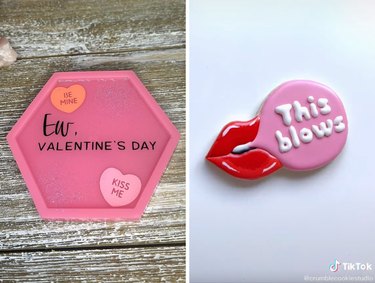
[303, 124]
[93, 145]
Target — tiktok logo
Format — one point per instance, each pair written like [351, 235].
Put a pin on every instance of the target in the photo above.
[334, 267]
[350, 266]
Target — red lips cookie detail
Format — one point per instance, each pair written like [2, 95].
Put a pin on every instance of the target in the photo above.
[252, 164]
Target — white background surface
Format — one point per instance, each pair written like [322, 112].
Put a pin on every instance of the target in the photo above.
[290, 224]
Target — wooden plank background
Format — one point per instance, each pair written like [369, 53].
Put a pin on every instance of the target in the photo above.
[49, 36]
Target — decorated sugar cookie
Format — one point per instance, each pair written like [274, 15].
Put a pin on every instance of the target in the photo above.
[302, 125]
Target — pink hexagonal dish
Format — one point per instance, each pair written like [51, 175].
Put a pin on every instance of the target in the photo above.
[93, 145]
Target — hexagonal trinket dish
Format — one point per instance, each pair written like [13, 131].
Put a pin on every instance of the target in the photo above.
[93, 145]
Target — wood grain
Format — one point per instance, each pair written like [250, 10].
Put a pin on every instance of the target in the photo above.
[163, 73]
[55, 28]
[150, 264]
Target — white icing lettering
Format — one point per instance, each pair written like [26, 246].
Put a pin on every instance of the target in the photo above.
[300, 112]
[314, 110]
[284, 111]
[293, 134]
[339, 125]
[284, 142]
[324, 129]
[319, 133]
[327, 127]
[306, 135]
[323, 104]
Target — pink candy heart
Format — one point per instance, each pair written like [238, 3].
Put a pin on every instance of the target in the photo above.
[118, 189]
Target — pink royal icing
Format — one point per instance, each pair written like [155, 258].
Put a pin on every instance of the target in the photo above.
[303, 124]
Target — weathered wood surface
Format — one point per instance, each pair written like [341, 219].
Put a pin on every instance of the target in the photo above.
[49, 27]
[49, 36]
[150, 264]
